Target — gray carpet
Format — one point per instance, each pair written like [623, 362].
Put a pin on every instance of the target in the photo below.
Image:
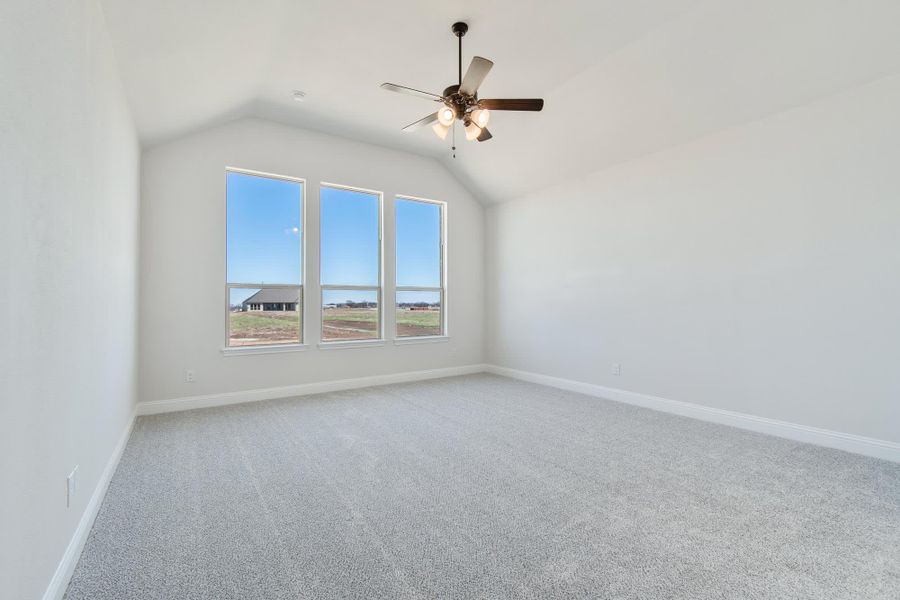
[484, 487]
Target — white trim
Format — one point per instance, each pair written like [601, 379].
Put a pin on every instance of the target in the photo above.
[60, 581]
[153, 407]
[266, 175]
[801, 433]
[354, 288]
[337, 344]
[420, 199]
[263, 349]
[422, 339]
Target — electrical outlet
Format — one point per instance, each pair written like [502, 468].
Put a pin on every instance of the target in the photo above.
[71, 486]
[189, 376]
[617, 369]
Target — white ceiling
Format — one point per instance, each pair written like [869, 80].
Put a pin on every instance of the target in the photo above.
[620, 79]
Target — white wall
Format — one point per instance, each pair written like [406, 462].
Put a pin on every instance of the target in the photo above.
[68, 264]
[755, 270]
[183, 259]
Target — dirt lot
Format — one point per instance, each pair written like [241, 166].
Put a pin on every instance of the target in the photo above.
[264, 327]
[349, 323]
[418, 322]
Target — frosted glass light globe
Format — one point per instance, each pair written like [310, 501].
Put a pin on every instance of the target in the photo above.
[446, 115]
[481, 117]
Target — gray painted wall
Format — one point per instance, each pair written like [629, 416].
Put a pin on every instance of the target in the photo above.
[755, 270]
[69, 167]
[183, 248]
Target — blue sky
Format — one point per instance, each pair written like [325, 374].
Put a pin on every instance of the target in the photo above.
[264, 229]
[349, 237]
[265, 237]
[418, 243]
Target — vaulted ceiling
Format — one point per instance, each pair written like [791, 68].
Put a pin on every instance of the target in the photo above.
[620, 79]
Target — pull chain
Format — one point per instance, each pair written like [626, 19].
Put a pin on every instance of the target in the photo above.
[454, 140]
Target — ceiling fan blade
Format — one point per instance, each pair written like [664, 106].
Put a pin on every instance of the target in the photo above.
[484, 136]
[402, 89]
[478, 70]
[427, 120]
[512, 104]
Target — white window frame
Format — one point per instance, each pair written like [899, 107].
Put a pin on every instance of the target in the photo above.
[407, 288]
[228, 349]
[378, 289]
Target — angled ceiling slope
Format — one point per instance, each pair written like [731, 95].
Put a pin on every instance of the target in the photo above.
[620, 79]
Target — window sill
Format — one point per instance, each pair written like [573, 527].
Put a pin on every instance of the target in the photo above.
[273, 349]
[425, 339]
[350, 344]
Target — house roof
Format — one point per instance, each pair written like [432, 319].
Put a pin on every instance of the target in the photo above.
[270, 295]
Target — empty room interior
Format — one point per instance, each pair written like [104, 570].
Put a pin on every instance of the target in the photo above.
[475, 300]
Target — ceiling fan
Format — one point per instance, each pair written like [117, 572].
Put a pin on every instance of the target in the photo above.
[460, 102]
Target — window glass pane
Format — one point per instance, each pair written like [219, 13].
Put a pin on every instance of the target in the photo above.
[418, 313]
[264, 316]
[418, 244]
[349, 314]
[264, 229]
[350, 246]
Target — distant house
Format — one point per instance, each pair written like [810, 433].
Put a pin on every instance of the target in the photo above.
[273, 299]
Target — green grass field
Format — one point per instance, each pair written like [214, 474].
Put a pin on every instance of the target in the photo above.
[351, 314]
[272, 327]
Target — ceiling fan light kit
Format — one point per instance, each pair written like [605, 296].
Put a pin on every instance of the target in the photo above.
[472, 130]
[460, 102]
[441, 130]
[446, 115]
[481, 117]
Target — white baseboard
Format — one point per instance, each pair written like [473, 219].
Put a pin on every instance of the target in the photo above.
[153, 407]
[66, 567]
[812, 435]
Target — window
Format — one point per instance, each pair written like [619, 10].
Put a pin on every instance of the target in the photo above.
[420, 267]
[350, 221]
[264, 258]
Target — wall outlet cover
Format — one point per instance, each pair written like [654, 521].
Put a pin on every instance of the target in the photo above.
[71, 486]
